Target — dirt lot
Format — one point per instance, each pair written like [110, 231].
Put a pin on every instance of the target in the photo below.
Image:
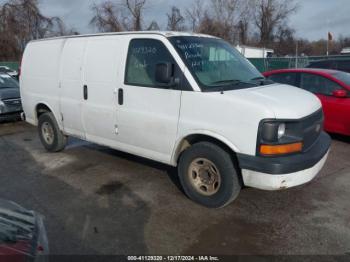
[100, 201]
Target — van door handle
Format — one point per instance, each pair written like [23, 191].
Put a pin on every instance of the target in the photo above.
[121, 96]
[85, 92]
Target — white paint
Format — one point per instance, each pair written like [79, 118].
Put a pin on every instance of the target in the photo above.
[152, 122]
[278, 182]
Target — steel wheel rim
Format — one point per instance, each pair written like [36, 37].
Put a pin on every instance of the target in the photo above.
[48, 133]
[204, 176]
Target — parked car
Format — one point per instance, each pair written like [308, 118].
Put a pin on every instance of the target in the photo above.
[186, 100]
[9, 71]
[335, 64]
[22, 234]
[10, 101]
[332, 88]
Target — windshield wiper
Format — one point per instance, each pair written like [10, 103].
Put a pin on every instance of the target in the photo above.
[224, 85]
[262, 80]
[231, 81]
[258, 78]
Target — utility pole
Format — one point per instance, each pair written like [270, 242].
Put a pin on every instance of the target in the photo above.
[296, 54]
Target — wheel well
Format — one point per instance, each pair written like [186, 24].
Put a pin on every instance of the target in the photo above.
[194, 139]
[41, 109]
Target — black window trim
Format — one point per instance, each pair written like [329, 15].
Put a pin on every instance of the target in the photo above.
[286, 73]
[165, 87]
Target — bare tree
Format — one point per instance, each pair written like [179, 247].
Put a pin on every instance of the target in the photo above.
[226, 15]
[285, 42]
[136, 8]
[195, 14]
[118, 15]
[217, 17]
[269, 15]
[244, 25]
[153, 26]
[176, 22]
[107, 18]
[20, 22]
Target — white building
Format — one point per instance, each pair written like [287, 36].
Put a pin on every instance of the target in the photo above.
[254, 52]
[345, 51]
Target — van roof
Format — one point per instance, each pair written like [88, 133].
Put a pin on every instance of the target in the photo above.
[162, 33]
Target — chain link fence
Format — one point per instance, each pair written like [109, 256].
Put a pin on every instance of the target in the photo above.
[12, 65]
[274, 63]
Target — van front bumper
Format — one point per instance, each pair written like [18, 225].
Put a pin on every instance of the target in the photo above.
[277, 173]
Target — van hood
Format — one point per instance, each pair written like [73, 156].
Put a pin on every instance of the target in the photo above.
[284, 101]
[9, 93]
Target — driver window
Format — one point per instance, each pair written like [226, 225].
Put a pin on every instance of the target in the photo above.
[143, 56]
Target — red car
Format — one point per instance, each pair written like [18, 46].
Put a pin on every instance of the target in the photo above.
[22, 234]
[332, 88]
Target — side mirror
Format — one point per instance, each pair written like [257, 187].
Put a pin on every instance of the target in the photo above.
[340, 93]
[164, 73]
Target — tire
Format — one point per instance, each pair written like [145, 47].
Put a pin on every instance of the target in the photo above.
[57, 141]
[210, 163]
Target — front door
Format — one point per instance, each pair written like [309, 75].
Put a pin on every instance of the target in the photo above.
[148, 112]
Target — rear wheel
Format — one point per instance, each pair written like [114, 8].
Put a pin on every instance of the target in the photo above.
[50, 134]
[208, 175]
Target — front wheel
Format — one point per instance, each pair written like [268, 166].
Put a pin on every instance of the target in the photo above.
[50, 134]
[208, 175]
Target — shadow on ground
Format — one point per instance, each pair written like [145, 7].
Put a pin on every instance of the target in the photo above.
[77, 223]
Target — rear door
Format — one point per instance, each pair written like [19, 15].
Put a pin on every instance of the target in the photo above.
[71, 82]
[336, 110]
[148, 112]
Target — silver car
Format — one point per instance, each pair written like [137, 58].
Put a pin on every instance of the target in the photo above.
[9, 71]
[10, 100]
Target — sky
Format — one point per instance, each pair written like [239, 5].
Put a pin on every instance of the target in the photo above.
[313, 19]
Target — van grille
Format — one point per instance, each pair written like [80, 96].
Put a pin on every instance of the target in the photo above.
[312, 127]
[13, 102]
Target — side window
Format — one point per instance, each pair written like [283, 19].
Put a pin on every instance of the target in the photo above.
[284, 78]
[143, 56]
[318, 84]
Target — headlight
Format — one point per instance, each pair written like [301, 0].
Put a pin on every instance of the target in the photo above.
[279, 137]
[281, 130]
[273, 131]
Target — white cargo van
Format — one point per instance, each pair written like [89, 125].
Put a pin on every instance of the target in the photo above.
[186, 100]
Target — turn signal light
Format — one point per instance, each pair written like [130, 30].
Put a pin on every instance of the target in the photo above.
[281, 149]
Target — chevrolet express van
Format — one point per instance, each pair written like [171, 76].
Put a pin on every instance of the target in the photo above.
[187, 100]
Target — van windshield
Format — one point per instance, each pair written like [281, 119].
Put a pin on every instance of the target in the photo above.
[215, 64]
